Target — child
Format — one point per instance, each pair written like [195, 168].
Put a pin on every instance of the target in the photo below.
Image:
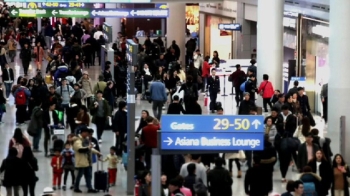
[175, 107]
[68, 164]
[112, 166]
[56, 164]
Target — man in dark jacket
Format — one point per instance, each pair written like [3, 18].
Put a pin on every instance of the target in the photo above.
[250, 86]
[50, 120]
[190, 48]
[257, 186]
[303, 151]
[237, 78]
[246, 105]
[219, 180]
[120, 126]
[294, 89]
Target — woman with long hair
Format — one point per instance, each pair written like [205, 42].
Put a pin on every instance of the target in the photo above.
[29, 177]
[322, 167]
[19, 141]
[143, 123]
[39, 51]
[216, 59]
[303, 130]
[340, 177]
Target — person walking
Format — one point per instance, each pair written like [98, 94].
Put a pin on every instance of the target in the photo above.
[214, 89]
[266, 91]
[26, 56]
[35, 126]
[8, 78]
[158, 96]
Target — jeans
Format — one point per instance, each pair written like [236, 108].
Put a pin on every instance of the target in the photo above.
[48, 41]
[25, 65]
[15, 190]
[157, 109]
[31, 186]
[47, 135]
[265, 102]
[21, 113]
[100, 126]
[8, 87]
[36, 139]
[87, 172]
[238, 95]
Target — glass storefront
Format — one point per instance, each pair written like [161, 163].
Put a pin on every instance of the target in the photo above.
[220, 41]
[313, 58]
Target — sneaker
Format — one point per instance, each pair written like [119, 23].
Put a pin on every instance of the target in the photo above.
[92, 191]
[99, 141]
[64, 187]
[54, 188]
[284, 180]
[77, 191]
[71, 187]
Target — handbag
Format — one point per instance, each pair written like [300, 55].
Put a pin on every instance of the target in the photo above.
[238, 155]
[262, 91]
[199, 79]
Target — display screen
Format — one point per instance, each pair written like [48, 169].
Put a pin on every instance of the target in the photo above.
[89, 13]
[84, 1]
[107, 32]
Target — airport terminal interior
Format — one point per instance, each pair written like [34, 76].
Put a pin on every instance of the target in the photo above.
[295, 46]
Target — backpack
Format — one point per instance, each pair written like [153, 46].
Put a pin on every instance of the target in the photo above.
[21, 98]
[309, 189]
[242, 87]
[18, 146]
[190, 92]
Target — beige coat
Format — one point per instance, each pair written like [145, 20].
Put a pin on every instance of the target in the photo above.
[82, 159]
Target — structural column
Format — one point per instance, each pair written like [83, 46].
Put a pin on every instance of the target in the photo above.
[338, 86]
[114, 22]
[270, 41]
[176, 27]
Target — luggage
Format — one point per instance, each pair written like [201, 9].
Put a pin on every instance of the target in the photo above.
[101, 179]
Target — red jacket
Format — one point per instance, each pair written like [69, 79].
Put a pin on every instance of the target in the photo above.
[267, 87]
[150, 136]
[56, 164]
[205, 69]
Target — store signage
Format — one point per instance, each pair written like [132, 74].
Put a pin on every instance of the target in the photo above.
[230, 27]
[226, 8]
[289, 22]
[84, 1]
[161, 6]
[212, 132]
[130, 13]
[62, 5]
[291, 14]
[93, 13]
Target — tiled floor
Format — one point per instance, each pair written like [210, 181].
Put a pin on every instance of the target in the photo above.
[45, 175]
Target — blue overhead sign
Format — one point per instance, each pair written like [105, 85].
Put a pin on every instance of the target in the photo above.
[212, 132]
[130, 13]
[230, 27]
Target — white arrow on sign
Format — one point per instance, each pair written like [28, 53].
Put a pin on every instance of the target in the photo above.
[256, 123]
[169, 141]
[93, 12]
[82, 4]
[14, 12]
[54, 12]
[132, 12]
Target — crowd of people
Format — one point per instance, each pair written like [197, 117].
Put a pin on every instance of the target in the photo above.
[64, 97]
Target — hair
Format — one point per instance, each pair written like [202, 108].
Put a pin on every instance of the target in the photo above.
[143, 175]
[281, 95]
[265, 77]
[267, 118]
[307, 169]
[297, 183]
[176, 182]
[296, 83]
[314, 131]
[220, 109]
[113, 148]
[158, 77]
[274, 109]
[305, 126]
[219, 162]
[342, 160]
[12, 153]
[323, 157]
[146, 111]
[195, 156]
[201, 192]
[206, 58]
[278, 91]
[121, 105]
[284, 107]
[253, 61]
[213, 69]
[216, 52]
[83, 107]
[18, 135]
[176, 98]
[191, 168]
[189, 78]
[149, 119]
[180, 179]
[27, 154]
[290, 186]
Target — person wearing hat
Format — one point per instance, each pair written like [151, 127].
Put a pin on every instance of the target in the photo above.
[100, 85]
[83, 159]
[100, 110]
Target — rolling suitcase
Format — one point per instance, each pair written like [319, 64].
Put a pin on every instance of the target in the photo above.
[101, 179]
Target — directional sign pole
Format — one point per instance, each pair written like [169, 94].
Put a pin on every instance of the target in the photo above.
[156, 171]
